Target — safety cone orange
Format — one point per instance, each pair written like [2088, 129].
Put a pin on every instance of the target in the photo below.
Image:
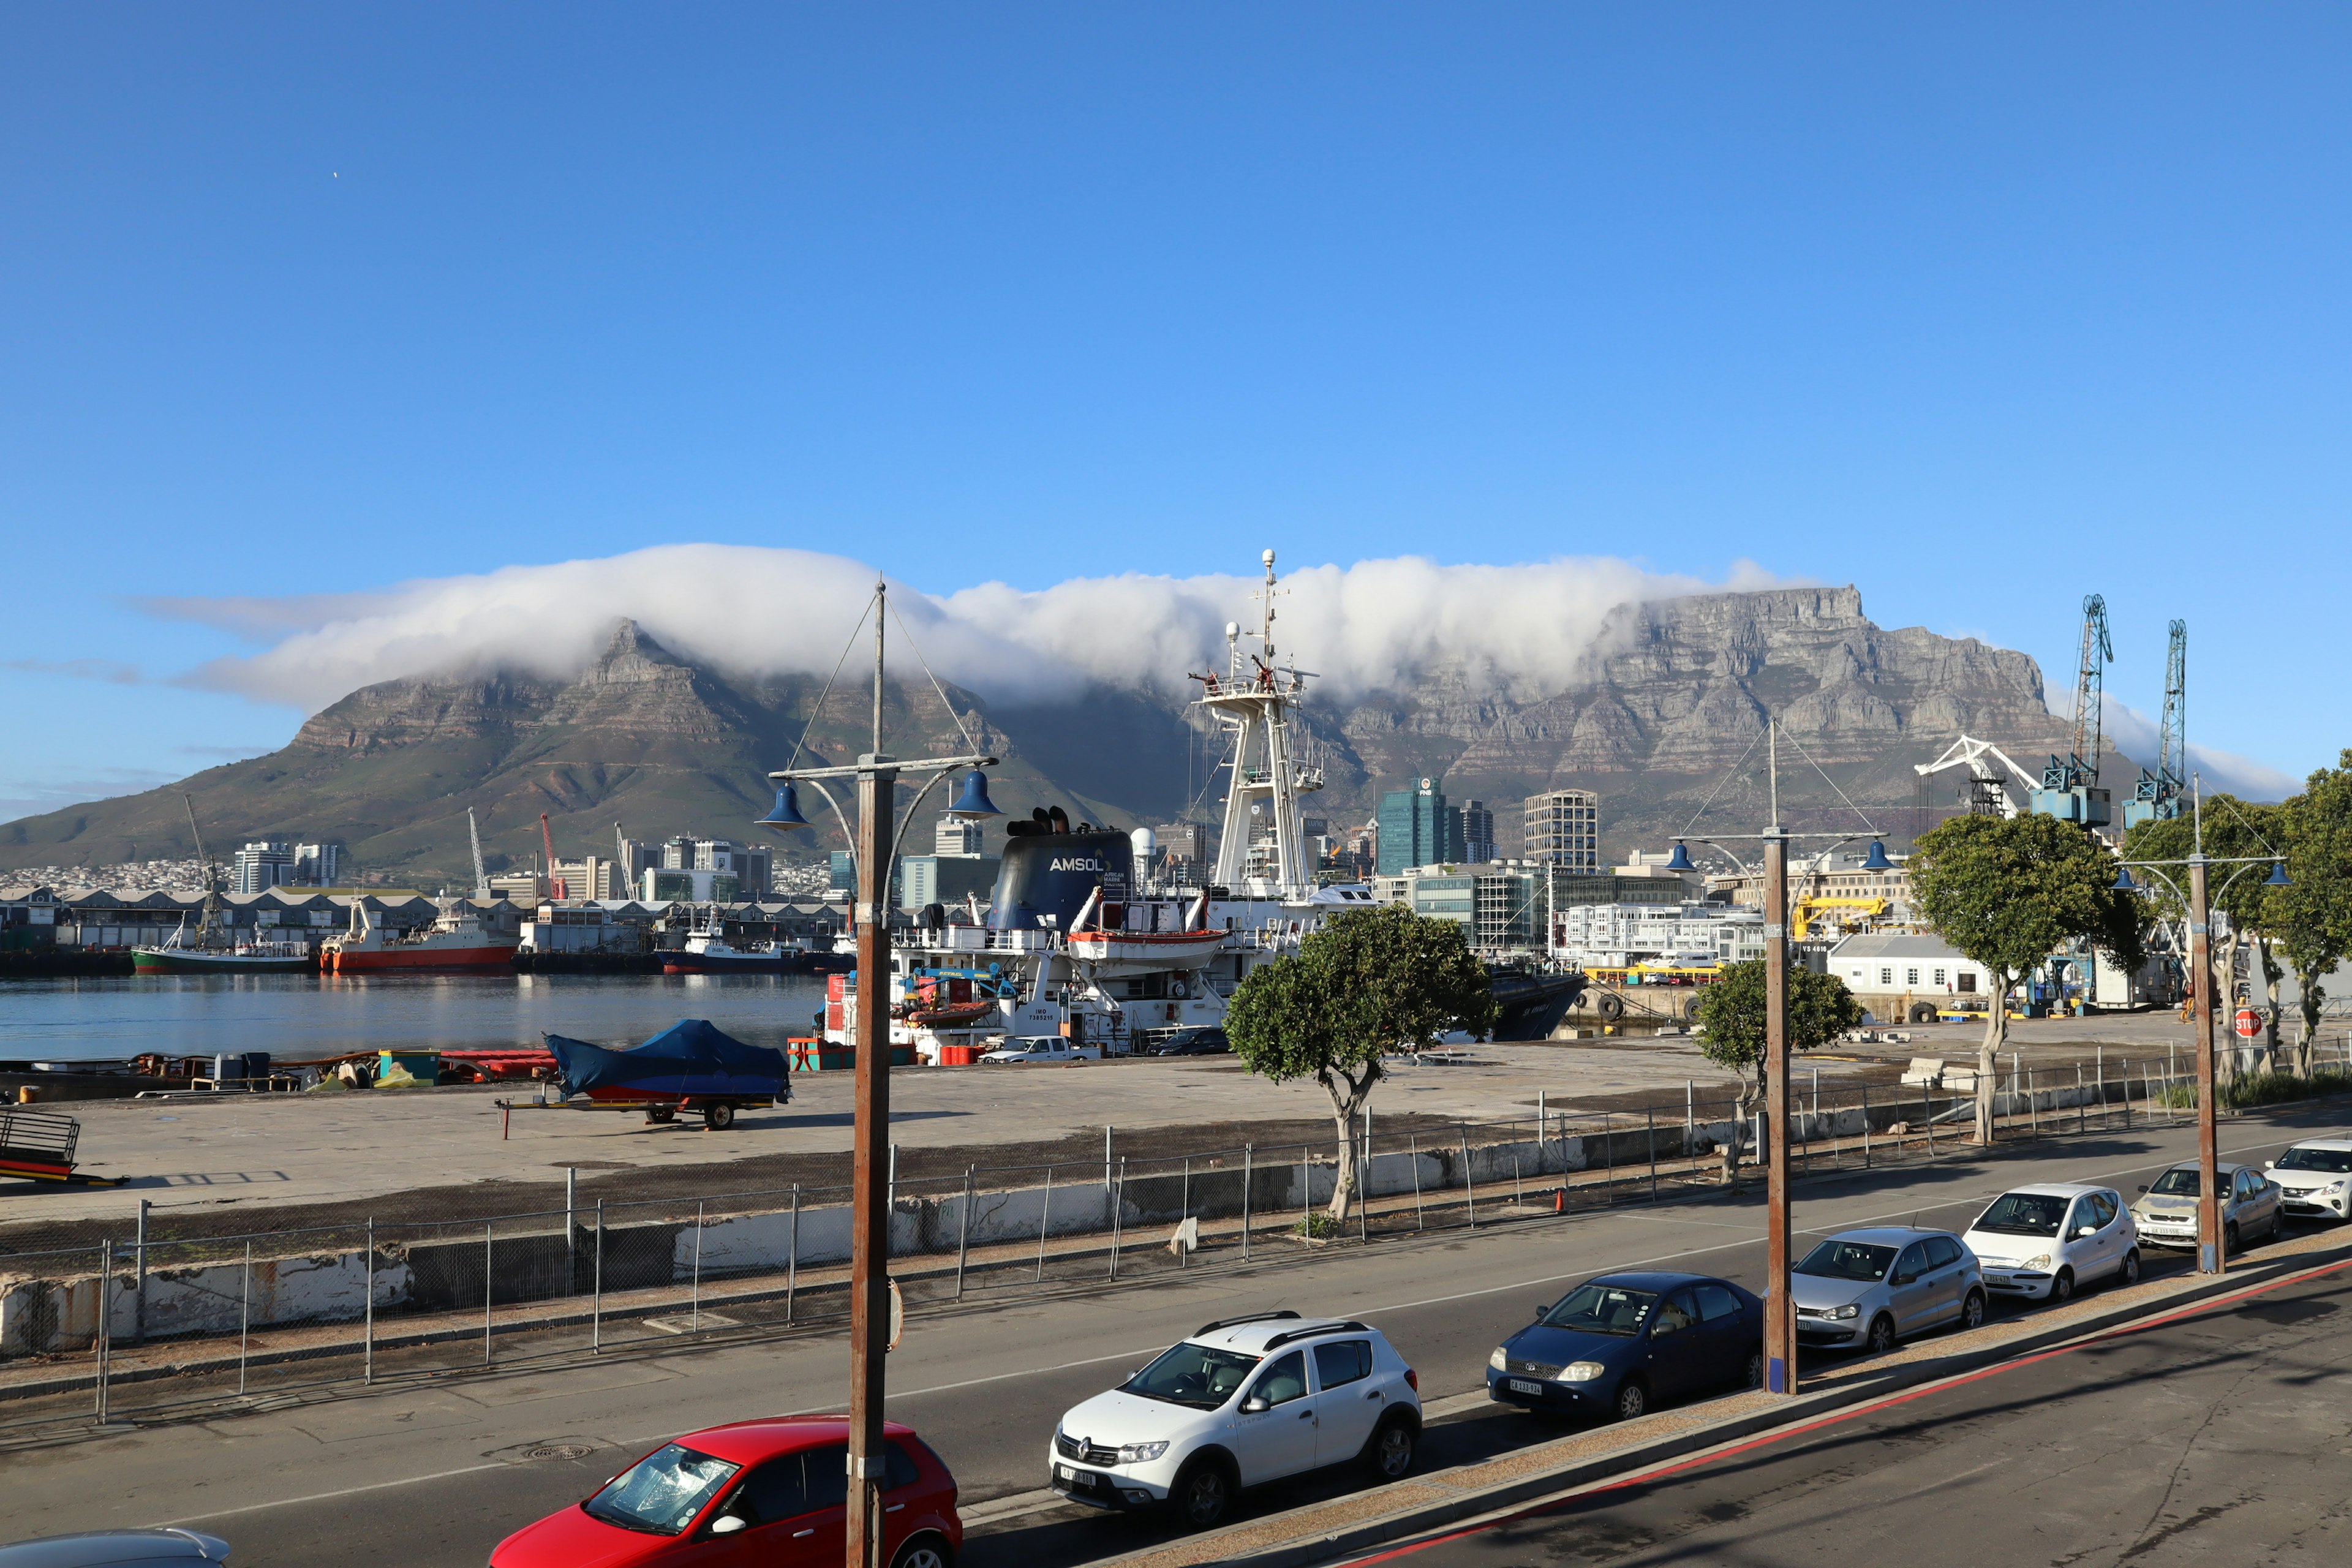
[1559, 1201]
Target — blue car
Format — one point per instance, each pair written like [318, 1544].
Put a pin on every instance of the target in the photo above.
[1617, 1345]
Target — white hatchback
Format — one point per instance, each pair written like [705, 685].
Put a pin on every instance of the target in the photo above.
[2046, 1242]
[1242, 1401]
[2315, 1177]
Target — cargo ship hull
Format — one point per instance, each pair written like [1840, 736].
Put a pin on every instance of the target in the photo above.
[196, 960]
[371, 961]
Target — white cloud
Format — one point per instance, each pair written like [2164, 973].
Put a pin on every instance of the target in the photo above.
[1365, 627]
[2134, 734]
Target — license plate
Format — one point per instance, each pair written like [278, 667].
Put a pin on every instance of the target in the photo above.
[1521, 1385]
[1067, 1476]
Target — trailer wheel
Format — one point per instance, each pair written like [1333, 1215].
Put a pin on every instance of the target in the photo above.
[661, 1113]
[719, 1118]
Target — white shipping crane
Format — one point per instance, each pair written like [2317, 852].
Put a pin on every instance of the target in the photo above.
[1992, 792]
[481, 878]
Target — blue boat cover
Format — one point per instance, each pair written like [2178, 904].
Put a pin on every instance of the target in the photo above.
[689, 1057]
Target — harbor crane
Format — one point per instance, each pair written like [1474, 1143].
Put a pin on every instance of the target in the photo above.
[2070, 786]
[481, 878]
[1989, 791]
[547, 839]
[2156, 797]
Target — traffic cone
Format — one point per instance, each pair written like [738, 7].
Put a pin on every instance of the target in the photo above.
[1560, 1199]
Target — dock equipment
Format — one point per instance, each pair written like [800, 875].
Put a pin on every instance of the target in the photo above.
[2156, 797]
[38, 1145]
[2070, 786]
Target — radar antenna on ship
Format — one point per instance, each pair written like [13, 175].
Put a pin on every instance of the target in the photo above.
[1262, 850]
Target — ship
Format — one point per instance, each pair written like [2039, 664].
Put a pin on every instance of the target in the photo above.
[216, 948]
[1081, 939]
[457, 941]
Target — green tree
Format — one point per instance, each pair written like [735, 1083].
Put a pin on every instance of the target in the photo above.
[2312, 917]
[2255, 911]
[1733, 1017]
[2010, 892]
[1368, 983]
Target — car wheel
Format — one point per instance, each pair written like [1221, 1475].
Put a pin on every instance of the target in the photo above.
[2230, 1238]
[2129, 1273]
[1973, 1311]
[1755, 1367]
[1881, 1335]
[661, 1113]
[2062, 1288]
[1203, 1494]
[925, 1552]
[1633, 1400]
[1390, 1453]
[719, 1118]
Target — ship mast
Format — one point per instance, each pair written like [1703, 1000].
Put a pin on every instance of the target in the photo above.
[1253, 704]
[211, 872]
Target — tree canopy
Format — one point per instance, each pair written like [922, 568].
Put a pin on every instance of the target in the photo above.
[1732, 1010]
[1368, 983]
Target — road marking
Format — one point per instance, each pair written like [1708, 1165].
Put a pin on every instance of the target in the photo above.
[328, 1496]
[1129, 1355]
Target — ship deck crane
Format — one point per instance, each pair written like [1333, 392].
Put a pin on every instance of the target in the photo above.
[2156, 797]
[547, 839]
[211, 872]
[481, 878]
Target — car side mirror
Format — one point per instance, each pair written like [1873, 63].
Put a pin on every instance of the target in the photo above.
[1907, 1279]
[2143, 1189]
[1253, 1404]
[2270, 1164]
[727, 1524]
[1542, 1307]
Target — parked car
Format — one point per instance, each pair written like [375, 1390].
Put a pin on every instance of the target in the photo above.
[1614, 1346]
[2049, 1240]
[1202, 1042]
[1870, 1287]
[771, 1492]
[2315, 1177]
[1242, 1402]
[2167, 1210]
[1038, 1050]
[116, 1549]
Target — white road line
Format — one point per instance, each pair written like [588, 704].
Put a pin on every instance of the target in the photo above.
[328, 1496]
[1150, 1350]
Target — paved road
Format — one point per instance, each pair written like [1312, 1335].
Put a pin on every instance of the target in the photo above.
[437, 1474]
[2219, 1438]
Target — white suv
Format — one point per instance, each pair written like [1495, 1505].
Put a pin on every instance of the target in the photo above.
[1242, 1401]
[2050, 1239]
[1030, 1050]
[2315, 1177]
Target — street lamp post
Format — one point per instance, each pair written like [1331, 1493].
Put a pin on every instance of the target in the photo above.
[1779, 1304]
[2213, 1252]
[873, 844]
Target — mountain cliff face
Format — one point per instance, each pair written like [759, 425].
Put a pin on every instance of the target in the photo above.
[1674, 694]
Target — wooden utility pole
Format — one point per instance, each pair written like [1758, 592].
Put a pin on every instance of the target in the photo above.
[869, 1235]
[2212, 1256]
[1780, 1303]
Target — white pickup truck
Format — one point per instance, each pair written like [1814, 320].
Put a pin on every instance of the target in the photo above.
[1038, 1050]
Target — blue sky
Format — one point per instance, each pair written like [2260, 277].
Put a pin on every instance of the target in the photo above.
[1981, 309]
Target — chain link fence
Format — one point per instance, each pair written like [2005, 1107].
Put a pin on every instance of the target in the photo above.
[151, 1325]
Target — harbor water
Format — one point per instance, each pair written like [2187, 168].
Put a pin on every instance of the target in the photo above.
[298, 1017]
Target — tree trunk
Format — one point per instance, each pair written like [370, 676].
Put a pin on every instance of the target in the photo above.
[1989, 1054]
[1348, 1100]
[2272, 975]
[2312, 998]
[2224, 981]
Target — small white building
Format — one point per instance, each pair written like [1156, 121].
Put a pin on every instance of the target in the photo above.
[1612, 936]
[1896, 974]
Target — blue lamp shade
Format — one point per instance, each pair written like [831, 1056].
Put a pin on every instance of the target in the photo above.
[974, 801]
[2278, 877]
[2124, 883]
[1680, 860]
[786, 812]
[1878, 860]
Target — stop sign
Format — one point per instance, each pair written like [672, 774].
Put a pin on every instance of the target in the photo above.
[2249, 1022]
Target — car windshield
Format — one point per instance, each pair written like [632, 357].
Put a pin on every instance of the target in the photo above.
[1598, 1308]
[2180, 1181]
[2023, 1214]
[1198, 1375]
[1836, 1260]
[2334, 1161]
[661, 1493]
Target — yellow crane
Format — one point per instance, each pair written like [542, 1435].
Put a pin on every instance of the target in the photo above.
[1810, 910]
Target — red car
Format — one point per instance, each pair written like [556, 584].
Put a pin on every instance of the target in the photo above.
[768, 1492]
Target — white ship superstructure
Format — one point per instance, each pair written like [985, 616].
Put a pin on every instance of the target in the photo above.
[1079, 941]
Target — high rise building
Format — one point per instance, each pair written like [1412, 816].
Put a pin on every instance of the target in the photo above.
[1415, 829]
[956, 835]
[1562, 827]
[318, 865]
[1478, 845]
[261, 866]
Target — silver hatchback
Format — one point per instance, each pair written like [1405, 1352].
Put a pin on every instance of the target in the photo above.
[1867, 1289]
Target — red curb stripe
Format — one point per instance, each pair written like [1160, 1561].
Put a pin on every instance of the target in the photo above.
[1834, 1418]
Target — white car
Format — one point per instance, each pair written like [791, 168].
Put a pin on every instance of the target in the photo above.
[1242, 1402]
[2046, 1242]
[1039, 1050]
[2315, 1177]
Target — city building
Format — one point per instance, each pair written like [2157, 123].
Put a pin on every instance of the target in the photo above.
[949, 879]
[318, 865]
[1416, 829]
[699, 885]
[957, 836]
[261, 866]
[1830, 896]
[1614, 935]
[1562, 827]
[1476, 840]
